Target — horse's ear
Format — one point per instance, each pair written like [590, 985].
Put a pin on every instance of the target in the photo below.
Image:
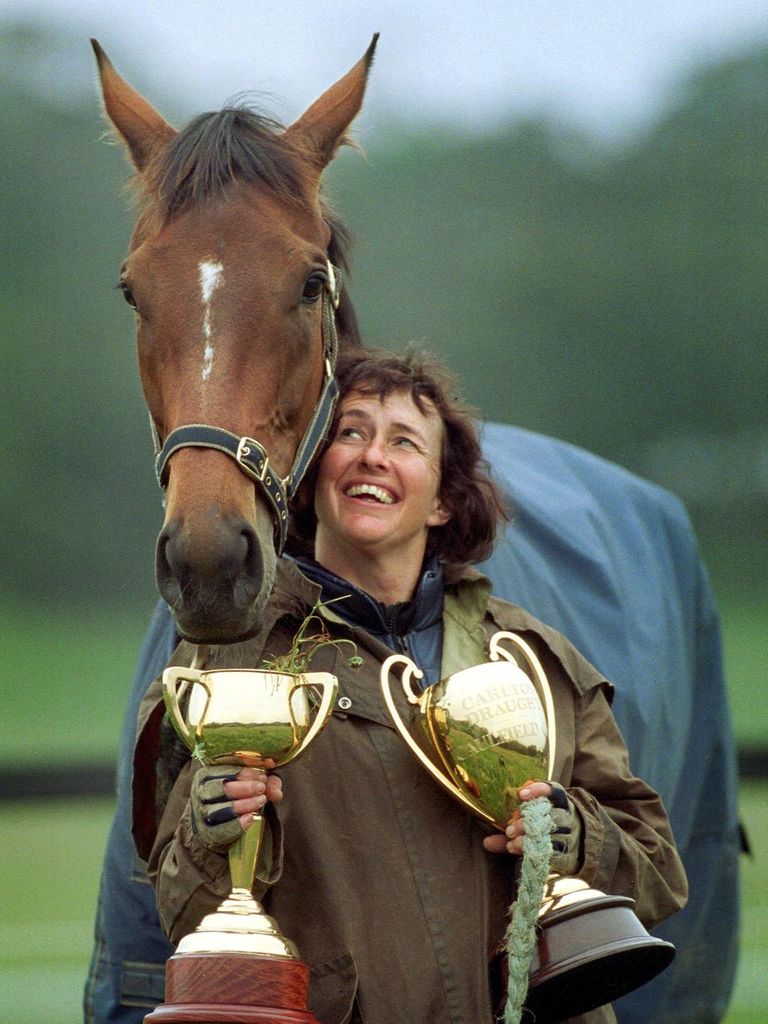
[322, 128]
[137, 122]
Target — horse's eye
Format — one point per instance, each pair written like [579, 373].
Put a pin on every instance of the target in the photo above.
[127, 294]
[313, 288]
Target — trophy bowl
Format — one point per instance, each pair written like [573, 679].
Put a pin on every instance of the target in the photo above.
[256, 718]
[485, 730]
[482, 733]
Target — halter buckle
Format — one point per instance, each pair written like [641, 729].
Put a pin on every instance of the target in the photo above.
[256, 469]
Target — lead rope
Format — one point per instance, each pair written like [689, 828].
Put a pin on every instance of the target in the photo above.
[520, 937]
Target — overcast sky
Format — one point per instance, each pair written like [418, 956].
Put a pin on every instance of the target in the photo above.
[605, 65]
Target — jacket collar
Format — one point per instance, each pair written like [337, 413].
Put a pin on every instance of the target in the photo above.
[359, 608]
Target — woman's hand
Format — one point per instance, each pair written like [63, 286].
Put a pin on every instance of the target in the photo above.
[566, 834]
[250, 791]
[224, 800]
[511, 840]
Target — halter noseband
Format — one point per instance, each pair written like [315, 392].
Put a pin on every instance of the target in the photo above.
[249, 454]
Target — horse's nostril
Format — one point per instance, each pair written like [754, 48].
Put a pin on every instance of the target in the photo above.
[248, 581]
[252, 561]
[169, 580]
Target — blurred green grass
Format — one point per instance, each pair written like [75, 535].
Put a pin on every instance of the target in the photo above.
[67, 673]
[49, 873]
[745, 625]
[50, 867]
[750, 999]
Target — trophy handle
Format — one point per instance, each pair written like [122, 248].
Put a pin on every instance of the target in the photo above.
[535, 665]
[329, 685]
[171, 694]
[411, 672]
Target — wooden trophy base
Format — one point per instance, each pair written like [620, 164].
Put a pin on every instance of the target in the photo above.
[590, 951]
[234, 988]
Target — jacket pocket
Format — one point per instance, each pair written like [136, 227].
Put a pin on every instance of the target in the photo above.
[332, 991]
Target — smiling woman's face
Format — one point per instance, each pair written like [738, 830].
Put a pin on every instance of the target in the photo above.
[378, 483]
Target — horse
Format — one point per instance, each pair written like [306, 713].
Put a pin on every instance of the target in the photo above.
[234, 276]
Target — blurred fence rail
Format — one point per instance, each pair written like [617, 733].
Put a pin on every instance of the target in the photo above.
[753, 762]
[97, 779]
[53, 781]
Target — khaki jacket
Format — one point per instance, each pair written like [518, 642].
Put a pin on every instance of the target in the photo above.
[376, 873]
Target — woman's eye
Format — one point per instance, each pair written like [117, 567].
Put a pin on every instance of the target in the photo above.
[313, 288]
[127, 294]
[405, 442]
[348, 434]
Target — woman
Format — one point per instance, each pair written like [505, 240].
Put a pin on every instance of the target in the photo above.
[396, 896]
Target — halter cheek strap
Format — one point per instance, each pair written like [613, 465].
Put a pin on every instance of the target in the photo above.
[250, 454]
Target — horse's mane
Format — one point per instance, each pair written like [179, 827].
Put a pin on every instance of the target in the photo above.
[237, 144]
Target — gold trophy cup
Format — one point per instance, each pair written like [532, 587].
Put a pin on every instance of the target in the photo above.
[261, 719]
[482, 733]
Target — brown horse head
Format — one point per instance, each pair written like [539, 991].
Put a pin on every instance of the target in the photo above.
[230, 273]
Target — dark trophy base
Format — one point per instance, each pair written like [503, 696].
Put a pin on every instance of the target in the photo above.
[589, 953]
[234, 988]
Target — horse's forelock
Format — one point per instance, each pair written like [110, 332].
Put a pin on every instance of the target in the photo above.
[215, 149]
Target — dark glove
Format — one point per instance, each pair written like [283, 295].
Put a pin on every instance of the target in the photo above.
[566, 835]
[214, 822]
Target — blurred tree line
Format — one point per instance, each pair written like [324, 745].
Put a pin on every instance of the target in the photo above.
[615, 297]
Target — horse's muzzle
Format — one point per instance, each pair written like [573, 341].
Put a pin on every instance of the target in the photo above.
[216, 589]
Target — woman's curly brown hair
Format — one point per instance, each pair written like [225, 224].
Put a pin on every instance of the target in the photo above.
[466, 489]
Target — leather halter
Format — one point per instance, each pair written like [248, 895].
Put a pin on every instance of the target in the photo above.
[249, 454]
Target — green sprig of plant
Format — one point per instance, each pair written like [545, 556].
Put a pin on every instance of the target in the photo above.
[306, 645]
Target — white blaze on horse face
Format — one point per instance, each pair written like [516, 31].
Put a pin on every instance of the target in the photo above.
[210, 279]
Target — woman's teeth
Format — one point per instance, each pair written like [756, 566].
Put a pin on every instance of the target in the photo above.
[370, 490]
